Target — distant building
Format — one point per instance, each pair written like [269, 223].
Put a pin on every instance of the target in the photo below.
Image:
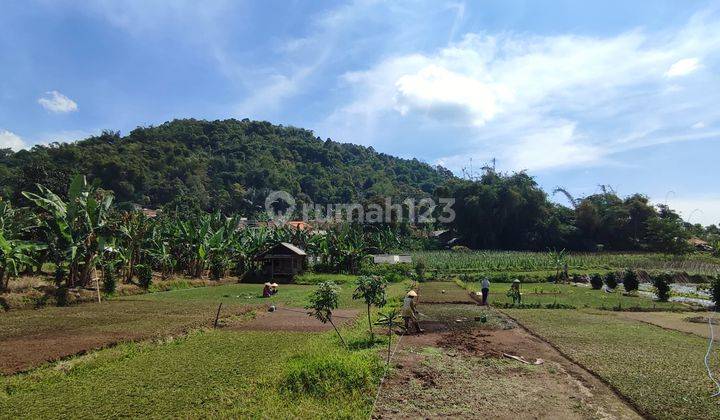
[283, 262]
[300, 225]
[150, 213]
[391, 259]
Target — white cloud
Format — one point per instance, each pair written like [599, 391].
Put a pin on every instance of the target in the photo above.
[683, 67]
[9, 140]
[541, 102]
[699, 209]
[698, 125]
[55, 101]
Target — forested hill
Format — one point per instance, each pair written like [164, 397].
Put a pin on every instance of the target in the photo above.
[228, 165]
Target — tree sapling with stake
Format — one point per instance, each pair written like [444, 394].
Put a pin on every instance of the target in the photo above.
[322, 302]
[372, 290]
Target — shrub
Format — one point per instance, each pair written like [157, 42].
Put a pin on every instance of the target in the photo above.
[630, 281]
[611, 280]
[393, 273]
[662, 287]
[144, 274]
[218, 266]
[596, 281]
[420, 270]
[109, 279]
[715, 292]
[324, 374]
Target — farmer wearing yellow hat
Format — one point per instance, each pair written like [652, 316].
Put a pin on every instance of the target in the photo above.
[409, 312]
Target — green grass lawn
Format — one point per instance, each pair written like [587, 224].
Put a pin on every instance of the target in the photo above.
[577, 296]
[661, 371]
[206, 374]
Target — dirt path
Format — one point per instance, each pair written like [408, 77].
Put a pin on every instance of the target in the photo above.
[292, 319]
[678, 321]
[458, 369]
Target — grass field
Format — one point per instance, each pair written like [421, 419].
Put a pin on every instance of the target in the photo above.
[509, 261]
[206, 374]
[660, 371]
[202, 373]
[31, 337]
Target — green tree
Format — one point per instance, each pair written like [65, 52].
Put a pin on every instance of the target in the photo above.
[323, 302]
[371, 289]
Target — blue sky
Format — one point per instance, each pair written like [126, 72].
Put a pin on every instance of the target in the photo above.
[579, 93]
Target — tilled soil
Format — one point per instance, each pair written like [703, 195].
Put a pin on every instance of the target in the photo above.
[292, 319]
[462, 372]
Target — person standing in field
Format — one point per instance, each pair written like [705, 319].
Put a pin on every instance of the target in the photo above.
[485, 290]
[409, 312]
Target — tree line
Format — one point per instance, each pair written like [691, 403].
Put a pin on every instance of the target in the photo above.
[510, 211]
[84, 237]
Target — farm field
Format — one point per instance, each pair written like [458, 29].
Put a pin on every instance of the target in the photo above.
[252, 366]
[511, 261]
[458, 369]
[576, 296]
[206, 374]
[31, 337]
[659, 370]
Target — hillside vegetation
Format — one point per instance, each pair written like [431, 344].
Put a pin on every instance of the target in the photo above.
[226, 166]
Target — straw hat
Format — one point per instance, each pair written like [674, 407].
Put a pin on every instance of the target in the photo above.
[268, 284]
[516, 281]
[411, 293]
[274, 285]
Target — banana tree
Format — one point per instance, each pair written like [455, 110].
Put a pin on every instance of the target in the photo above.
[559, 260]
[75, 228]
[133, 228]
[15, 255]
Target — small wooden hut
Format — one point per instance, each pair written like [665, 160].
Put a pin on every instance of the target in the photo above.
[283, 262]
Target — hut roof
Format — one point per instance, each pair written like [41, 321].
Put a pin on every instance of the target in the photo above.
[286, 246]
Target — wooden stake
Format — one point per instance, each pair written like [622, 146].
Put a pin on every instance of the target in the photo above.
[217, 315]
[97, 286]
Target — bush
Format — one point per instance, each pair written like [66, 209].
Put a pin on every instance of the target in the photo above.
[218, 267]
[715, 292]
[630, 281]
[322, 375]
[611, 280]
[144, 274]
[420, 270]
[393, 273]
[662, 286]
[596, 281]
[109, 279]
